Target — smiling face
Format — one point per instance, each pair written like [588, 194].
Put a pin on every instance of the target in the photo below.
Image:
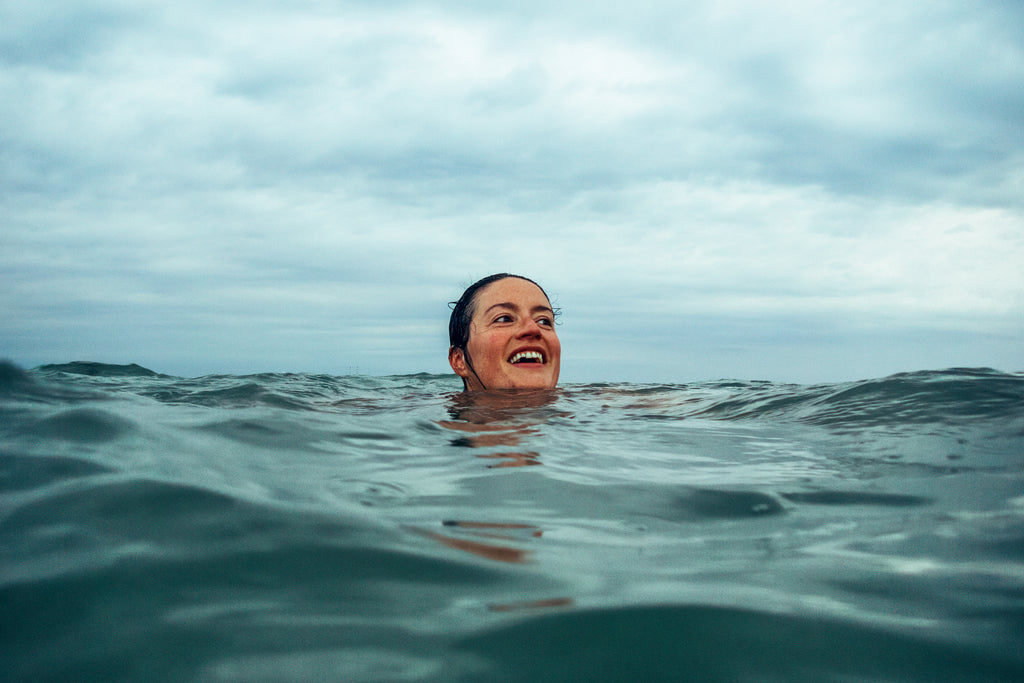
[512, 341]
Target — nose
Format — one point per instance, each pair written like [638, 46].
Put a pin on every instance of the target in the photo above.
[529, 328]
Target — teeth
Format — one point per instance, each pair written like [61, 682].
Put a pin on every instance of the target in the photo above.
[530, 355]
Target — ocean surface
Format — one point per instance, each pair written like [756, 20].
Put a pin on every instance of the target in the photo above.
[298, 527]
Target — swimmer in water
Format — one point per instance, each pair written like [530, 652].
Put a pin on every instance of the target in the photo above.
[502, 335]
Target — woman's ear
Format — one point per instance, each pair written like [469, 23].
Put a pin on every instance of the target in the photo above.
[457, 359]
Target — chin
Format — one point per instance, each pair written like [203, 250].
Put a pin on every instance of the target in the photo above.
[535, 383]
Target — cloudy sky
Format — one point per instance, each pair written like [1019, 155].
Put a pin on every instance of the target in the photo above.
[790, 190]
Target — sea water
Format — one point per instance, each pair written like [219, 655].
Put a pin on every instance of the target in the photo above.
[300, 527]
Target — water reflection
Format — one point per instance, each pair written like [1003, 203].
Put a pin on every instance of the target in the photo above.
[490, 550]
[513, 459]
[547, 603]
[535, 531]
[487, 419]
[495, 545]
[503, 420]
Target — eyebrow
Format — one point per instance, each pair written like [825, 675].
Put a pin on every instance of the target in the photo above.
[512, 306]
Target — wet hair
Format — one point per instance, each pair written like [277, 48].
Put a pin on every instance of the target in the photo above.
[462, 315]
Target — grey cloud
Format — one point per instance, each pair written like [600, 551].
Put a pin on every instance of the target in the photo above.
[337, 171]
[60, 35]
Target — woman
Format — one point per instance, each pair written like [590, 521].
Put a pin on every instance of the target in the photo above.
[502, 335]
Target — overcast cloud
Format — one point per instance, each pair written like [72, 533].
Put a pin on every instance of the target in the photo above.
[803, 191]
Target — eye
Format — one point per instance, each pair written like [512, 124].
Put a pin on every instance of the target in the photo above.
[544, 321]
[503, 318]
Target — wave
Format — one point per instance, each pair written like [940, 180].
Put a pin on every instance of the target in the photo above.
[300, 526]
[711, 643]
[94, 369]
[952, 395]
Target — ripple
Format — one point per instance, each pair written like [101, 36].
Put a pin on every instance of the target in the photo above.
[84, 425]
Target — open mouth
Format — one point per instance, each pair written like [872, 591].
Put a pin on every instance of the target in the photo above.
[523, 357]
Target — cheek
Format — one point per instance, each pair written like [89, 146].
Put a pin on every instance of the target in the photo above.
[484, 347]
[556, 346]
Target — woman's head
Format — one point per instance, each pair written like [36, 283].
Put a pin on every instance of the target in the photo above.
[502, 335]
